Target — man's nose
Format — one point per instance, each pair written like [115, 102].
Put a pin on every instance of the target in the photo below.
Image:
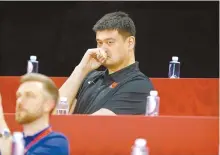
[19, 101]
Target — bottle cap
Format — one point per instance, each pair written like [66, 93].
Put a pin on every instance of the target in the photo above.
[63, 99]
[140, 142]
[33, 57]
[175, 58]
[153, 93]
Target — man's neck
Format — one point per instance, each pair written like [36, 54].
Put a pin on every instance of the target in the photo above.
[38, 125]
[121, 66]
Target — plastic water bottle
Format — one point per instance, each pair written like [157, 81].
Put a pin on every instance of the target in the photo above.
[32, 66]
[152, 105]
[63, 106]
[174, 68]
[140, 147]
[17, 144]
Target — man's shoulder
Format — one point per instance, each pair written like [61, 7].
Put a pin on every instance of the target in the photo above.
[55, 143]
[56, 135]
[55, 139]
[141, 76]
[139, 82]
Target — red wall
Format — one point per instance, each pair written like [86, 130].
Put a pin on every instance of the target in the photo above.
[197, 97]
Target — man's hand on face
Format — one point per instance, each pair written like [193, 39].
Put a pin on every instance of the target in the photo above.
[93, 59]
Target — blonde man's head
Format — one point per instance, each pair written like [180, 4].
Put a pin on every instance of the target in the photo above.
[37, 96]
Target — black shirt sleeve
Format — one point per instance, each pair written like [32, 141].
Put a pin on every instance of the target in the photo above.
[130, 99]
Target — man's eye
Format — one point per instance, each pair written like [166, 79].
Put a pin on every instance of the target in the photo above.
[30, 95]
[110, 42]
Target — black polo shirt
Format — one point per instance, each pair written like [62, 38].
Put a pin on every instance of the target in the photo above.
[123, 92]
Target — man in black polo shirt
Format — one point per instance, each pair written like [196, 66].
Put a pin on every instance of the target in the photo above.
[121, 88]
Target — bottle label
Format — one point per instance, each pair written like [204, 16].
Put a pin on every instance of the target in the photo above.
[62, 112]
[174, 70]
[30, 67]
[152, 106]
[63, 108]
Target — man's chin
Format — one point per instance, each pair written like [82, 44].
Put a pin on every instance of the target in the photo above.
[22, 119]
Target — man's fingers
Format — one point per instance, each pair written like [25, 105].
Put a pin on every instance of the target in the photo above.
[103, 53]
[98, 54]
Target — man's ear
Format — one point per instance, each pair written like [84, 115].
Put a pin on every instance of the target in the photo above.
[131, 42]
[49, 106]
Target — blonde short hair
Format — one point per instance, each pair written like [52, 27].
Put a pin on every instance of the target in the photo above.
[47, 82]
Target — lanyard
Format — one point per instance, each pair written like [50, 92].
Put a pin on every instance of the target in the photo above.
[38, 138]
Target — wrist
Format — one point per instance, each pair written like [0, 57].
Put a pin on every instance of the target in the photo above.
[5, 133]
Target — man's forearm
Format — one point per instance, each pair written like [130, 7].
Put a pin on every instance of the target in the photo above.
[5, 142]
[71, 86]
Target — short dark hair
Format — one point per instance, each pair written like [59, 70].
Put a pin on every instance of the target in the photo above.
[119, 21]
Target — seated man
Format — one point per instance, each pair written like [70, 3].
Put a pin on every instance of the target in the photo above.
[122, 88]
[37, 96]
